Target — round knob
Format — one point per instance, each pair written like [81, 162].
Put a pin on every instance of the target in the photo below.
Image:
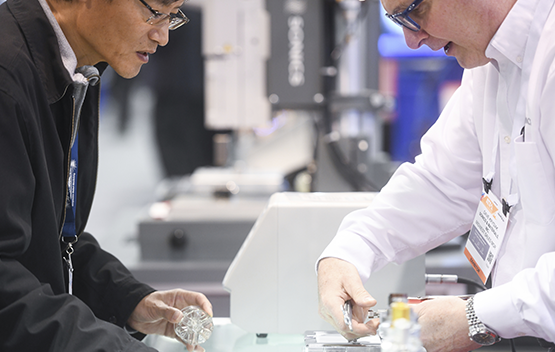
[177, 239]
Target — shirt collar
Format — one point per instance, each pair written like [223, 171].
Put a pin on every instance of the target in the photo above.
[509, 42]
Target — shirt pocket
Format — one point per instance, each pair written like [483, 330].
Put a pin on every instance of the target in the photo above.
[536, 185]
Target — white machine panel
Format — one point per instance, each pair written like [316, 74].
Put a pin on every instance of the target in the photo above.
[236, 47]
[272, 280]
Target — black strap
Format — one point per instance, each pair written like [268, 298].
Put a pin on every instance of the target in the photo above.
[487, 185]
[549, 345]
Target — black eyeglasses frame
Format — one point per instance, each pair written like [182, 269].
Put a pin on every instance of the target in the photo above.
[176, 20]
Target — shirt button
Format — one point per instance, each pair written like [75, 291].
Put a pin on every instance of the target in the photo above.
[507, 139]
[519, 59]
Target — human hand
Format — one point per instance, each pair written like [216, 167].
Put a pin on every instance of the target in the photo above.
[338, 282]
[444, 326]
[159, 311]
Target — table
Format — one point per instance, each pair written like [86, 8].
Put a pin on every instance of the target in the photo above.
[228, 337]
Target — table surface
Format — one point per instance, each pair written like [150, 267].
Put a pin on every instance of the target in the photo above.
[227, 337]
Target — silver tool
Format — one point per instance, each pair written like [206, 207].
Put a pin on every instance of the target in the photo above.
[348, 314]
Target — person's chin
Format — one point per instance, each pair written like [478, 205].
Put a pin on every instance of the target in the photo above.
[467, 62]
[128, 72]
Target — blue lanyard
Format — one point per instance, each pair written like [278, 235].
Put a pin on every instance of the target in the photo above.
[69, 232]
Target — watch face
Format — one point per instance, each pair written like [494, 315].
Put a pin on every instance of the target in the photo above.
[484, 338]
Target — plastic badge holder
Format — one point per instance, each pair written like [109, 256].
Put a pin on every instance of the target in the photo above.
[195, 327]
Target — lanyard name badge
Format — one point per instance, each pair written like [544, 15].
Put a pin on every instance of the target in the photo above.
[87, 75]
[487, 232]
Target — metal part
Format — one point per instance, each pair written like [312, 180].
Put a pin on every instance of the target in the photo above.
[348, 314]
[347, 309]
[372, 315]
[441, 278]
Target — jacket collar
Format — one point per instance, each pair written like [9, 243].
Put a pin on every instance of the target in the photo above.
[44, 48]
[68, 56]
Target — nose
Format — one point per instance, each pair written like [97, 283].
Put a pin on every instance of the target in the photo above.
[413, 39]
[159, 34]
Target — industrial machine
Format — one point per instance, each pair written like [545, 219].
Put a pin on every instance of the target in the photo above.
[315, 61]
[272, 280]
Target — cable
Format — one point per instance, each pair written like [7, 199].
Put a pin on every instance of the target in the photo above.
[349, 171]
[462, 280]
[513, 347]
[452, 279]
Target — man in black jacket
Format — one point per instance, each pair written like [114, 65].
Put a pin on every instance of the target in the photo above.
[59, 291]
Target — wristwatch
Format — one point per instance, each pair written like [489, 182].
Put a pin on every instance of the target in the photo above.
[477, 331]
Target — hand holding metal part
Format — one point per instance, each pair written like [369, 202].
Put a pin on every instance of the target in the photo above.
[338, 282]
[348, 317]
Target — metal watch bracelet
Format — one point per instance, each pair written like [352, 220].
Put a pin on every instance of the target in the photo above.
[477, 331]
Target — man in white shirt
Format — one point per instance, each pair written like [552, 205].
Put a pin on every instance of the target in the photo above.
[495, 137]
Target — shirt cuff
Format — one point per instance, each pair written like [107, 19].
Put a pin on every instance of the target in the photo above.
[350, 248]
[495, 308]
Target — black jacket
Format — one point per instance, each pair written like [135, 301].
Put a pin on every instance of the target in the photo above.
[36, 313]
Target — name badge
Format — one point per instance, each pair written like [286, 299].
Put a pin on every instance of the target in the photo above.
[486, 235]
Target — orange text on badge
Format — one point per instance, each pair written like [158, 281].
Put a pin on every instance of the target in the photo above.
[475, 266]
[489, 204]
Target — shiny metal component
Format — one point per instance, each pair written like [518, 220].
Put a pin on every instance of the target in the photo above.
[372, 315]
[195, 327]
[441, 278]
[348, 314]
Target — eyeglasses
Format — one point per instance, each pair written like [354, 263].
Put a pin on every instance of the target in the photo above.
[176, 19]
[403, 19]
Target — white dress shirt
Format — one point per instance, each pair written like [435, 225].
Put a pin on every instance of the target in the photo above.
[434, 200]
